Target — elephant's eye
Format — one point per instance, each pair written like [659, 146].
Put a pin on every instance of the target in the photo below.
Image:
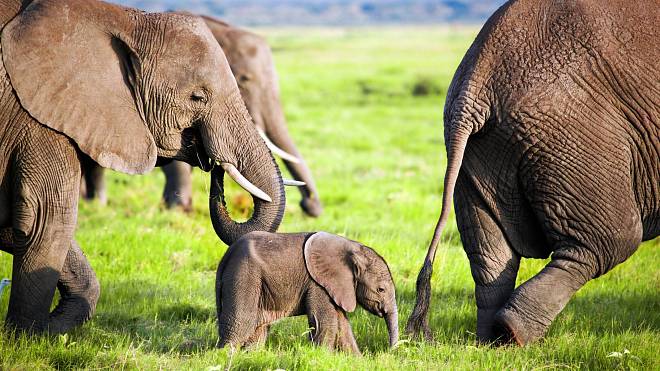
[198, 96]
[381, 290]
[243, 79]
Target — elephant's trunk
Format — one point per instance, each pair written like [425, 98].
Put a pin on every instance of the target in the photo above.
[250, 159]
[276, 130]
[392, 320]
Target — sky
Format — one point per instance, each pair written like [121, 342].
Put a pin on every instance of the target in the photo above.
[330, 12]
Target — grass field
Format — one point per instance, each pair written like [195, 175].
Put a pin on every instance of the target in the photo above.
[377, 152]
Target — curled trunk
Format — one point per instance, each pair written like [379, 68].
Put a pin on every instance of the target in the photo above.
[241, 150]
[266, 216]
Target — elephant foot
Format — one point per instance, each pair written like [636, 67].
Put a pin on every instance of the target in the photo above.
[486, 332]
[79, 292]
[511, 327]
[16, 325]
[177, 202]
[312, 207]
[73, 311]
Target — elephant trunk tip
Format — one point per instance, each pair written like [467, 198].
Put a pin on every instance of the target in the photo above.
[392, 321]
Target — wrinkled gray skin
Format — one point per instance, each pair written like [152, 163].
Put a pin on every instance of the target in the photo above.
[264, 277]
[552, 119]
[252, 64]
[81, 79]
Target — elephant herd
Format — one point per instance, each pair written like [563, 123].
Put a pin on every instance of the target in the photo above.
[552, 131]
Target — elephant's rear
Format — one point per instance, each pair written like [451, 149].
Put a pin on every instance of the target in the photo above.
[562, 85]
[540, 72]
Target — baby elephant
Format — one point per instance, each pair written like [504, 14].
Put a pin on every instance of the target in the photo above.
[267, 276]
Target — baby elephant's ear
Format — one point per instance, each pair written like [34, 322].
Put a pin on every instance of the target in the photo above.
[328, 261]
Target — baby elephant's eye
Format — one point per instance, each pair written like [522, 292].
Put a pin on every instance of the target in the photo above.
[244, 78]
[381, 290]
[198, 96]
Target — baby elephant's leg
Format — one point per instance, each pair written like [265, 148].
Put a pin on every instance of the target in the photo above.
[345, 338]
[238, 305]
[324, 328]
[258, 338]
[330, 325]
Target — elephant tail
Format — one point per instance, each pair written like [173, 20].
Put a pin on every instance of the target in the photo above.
[456, 144]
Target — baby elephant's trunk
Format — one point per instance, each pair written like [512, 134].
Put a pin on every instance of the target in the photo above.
[392, 320]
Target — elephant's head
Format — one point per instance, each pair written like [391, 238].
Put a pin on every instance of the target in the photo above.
[251, 62]
[129, 87]
[353, 273]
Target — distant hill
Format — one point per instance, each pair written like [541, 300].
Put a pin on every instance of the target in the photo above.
[330, 12]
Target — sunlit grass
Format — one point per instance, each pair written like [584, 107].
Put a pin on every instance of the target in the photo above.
[377, 153]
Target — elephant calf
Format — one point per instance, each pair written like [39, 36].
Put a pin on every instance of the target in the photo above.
[264, 277]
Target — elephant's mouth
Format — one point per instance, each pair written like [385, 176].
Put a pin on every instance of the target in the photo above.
[375, 308]
[204, 161]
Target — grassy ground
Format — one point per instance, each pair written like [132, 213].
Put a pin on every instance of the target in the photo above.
[377, 153]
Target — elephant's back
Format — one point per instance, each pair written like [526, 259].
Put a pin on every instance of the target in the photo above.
[531, 47]
[277, 259]
[283, 252]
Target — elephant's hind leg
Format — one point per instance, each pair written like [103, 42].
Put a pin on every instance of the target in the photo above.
[494, 265]
[93, 181]
[536, 303]
[178, 185]
[593, 226]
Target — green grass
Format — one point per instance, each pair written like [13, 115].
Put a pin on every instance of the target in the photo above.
[377, 153]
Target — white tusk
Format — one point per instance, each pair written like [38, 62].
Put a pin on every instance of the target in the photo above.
[243, 182]
[293, 183]
[277, 150]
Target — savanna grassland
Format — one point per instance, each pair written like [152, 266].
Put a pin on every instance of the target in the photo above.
[365, 108]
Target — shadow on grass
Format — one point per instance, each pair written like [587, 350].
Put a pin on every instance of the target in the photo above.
[187, 328]
[453, 313]
[603, 314]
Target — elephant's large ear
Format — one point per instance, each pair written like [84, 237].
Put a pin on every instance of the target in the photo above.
[72, 68]
[329, 261]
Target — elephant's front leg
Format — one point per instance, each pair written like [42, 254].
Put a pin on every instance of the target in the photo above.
[43, 236]
[93, 180]
[346, 340]
[45, 196]
[258, 338]
[330, 326]
[178, 185]
[79, 292]
[79, 289]
[494, 265]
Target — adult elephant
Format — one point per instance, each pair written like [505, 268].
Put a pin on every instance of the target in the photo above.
[553, 143]
[251, 62]
[124, 88]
